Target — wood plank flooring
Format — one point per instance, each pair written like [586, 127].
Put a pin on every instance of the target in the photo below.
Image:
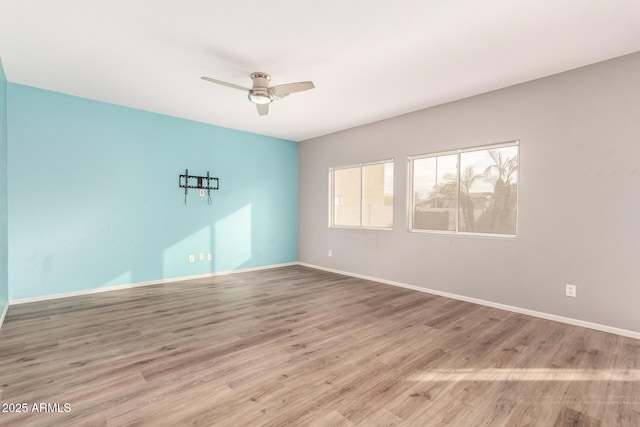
[297, 346]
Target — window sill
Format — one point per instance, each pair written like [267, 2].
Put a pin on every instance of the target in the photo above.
[355, 227]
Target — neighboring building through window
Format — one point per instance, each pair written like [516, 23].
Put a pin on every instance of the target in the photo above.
[362, 195]
[466, 191]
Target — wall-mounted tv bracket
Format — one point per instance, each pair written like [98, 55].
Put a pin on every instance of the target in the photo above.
[187, 181]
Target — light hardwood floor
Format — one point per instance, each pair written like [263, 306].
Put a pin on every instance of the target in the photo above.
[298, 346]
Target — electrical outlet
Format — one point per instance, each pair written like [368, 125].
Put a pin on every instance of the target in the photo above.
[209, 257]
[201, 193]
[330, 252]
[192, 258]
[201, 257]
[570, 290]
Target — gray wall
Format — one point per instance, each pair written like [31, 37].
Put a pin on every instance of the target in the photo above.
[579, 197]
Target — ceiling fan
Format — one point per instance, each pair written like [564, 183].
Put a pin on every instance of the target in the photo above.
[261, 94]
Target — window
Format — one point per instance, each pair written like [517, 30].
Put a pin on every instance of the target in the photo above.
[467, 191]
[435, 189]
[362, 195]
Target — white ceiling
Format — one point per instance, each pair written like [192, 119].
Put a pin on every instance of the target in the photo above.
[369, 59]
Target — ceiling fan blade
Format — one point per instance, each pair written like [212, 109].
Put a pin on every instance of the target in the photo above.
[220, 82]
[263, 109]
[288, 88]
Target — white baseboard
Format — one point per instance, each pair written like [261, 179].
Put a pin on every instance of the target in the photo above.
[4, 313]
[562, 319]
[139, 284]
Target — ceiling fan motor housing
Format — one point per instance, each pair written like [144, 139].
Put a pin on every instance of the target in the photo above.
[260, 93]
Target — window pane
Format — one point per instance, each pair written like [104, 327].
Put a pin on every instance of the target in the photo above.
[488, 190]
[377, 195]
[435, 193]
[346, 193]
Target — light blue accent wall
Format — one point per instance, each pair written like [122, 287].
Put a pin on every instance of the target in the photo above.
[4, 267]
[94, 198]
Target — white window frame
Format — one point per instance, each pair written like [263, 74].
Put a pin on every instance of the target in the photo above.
[332, 195]
[410, 159]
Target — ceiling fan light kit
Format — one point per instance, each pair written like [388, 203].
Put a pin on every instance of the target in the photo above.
[260, 97]
[261, 94]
